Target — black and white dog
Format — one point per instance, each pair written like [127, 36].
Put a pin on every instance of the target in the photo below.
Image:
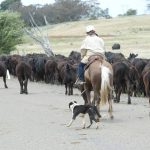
[84, 109]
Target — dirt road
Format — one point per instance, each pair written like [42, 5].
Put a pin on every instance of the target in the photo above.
[37, 121]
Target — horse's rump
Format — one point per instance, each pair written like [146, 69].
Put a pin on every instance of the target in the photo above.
[99, 76]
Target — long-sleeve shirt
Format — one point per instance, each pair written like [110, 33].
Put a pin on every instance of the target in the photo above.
[93, 43]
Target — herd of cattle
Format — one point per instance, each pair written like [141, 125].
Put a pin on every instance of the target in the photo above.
[131, 75]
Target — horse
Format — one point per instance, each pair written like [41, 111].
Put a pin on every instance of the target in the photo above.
[99, 78]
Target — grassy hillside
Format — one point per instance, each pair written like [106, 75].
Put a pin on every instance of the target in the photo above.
[133, 33]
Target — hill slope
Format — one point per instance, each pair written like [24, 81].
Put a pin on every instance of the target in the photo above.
[133, 33]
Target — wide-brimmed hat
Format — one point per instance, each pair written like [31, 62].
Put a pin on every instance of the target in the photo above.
[90, 28]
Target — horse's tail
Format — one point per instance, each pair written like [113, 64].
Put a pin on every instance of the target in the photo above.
[105, 84]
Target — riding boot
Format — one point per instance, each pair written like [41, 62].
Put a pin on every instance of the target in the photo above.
[80, 74]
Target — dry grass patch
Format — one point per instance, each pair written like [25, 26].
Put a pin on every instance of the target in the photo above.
[133, 33]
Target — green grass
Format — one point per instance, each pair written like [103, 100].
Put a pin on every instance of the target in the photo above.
[133, 33]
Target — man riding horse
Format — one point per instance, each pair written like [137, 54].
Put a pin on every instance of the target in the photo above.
[92, 45]
[97, 75]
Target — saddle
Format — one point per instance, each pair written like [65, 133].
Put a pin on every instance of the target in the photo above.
[94, 58]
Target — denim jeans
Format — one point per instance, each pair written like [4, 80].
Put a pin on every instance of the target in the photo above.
[80, 71]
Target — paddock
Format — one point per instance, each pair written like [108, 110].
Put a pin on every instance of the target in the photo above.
[37, 121]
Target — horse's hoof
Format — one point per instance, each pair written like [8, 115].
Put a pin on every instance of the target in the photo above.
[21, 92]
[129, 102]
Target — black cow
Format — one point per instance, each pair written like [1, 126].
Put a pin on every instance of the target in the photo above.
[75, 56]
[139, 65]
[23, 72]
[12, 63]
[132, 56]
[3, 72]
[39, 68]
[69, 77]
[125, 79]
[51, 71]
[114, 57]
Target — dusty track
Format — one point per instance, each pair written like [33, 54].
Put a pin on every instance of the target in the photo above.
[37, 122]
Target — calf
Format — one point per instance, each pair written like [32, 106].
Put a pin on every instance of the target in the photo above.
[69, 78]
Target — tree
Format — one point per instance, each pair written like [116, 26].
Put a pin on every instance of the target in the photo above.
[62, 11]
[148, 5]
[10, 4]
[69, 10]
[10, 31]
[130, 12]
[105, 13]
[94, 10]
